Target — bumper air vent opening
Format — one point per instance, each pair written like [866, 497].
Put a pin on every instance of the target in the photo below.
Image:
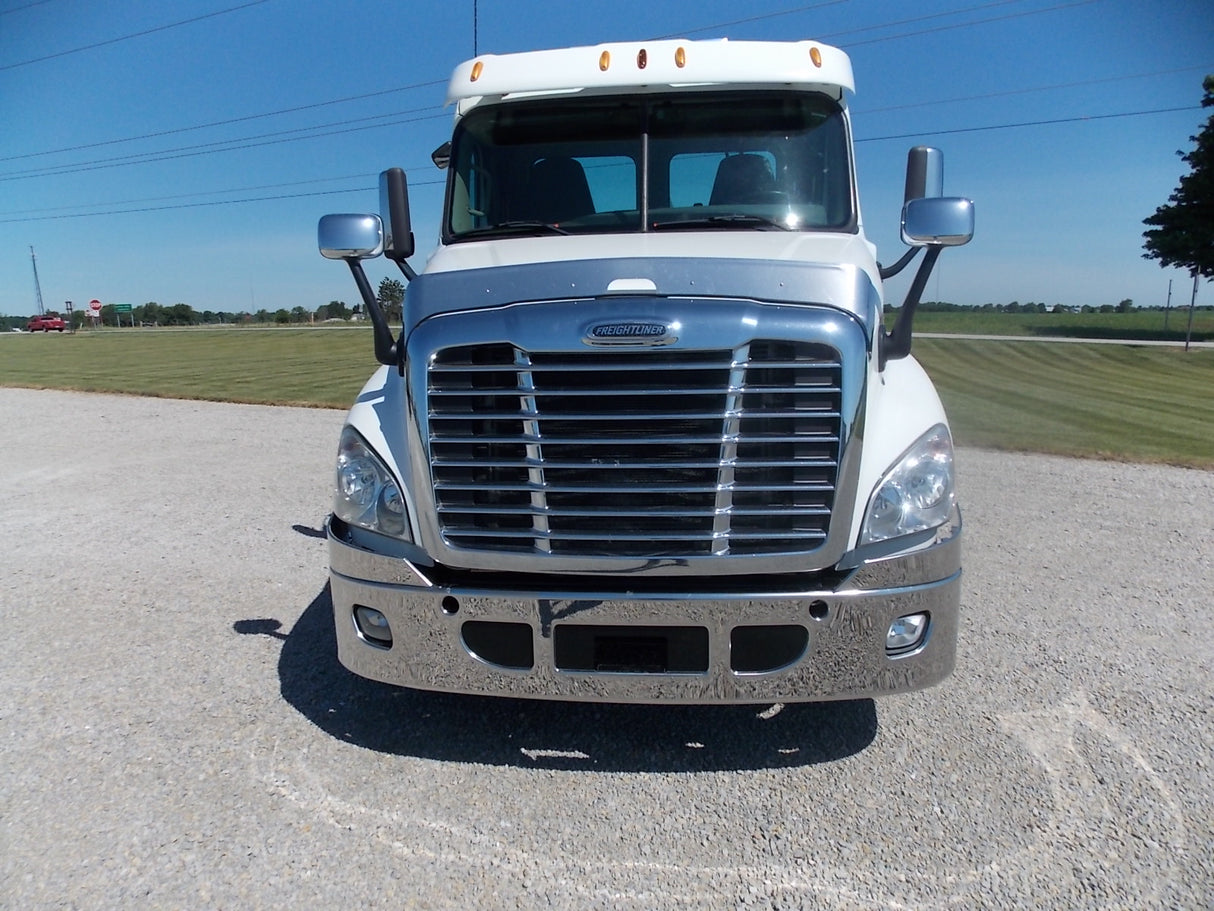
[508, 645]
[763, 649]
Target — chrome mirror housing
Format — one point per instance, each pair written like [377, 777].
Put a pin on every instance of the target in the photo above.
[350, 236]
[938, 221]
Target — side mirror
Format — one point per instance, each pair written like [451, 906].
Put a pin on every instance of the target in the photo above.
[355, 238]
[938, 221]
[394, 212]
[350, 236]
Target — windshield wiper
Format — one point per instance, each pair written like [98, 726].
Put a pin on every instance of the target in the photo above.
[737, 220]
[512, 227]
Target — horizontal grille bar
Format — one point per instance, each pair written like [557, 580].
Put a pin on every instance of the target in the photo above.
[591, 535]
[606, 488]
[620, 513]
[488, 414]
[440, 368]
[524, 463]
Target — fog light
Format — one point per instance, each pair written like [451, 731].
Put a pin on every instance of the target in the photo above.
[373, 625]
[906, 633]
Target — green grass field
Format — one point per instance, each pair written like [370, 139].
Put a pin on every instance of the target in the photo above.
[1127, 402]
[1153, 325]
[321, 367]
[1104, 401]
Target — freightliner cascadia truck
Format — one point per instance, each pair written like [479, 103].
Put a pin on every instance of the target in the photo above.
[644, 435]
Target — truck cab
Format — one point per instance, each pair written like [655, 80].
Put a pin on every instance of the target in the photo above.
[643, 435]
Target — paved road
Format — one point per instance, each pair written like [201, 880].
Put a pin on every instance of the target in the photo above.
[177, 733]
[1065, 340]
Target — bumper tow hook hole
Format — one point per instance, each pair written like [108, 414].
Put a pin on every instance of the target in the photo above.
[450, 605]
[819, 610]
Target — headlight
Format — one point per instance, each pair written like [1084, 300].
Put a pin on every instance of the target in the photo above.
[917, 493]
[367, 495]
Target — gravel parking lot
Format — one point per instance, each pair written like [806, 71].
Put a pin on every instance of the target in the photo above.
[177, 731]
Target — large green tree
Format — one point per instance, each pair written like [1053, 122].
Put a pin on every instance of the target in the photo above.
[1181, 233]
[391, 297]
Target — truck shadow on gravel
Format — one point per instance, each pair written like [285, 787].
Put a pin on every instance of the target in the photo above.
[537, 734]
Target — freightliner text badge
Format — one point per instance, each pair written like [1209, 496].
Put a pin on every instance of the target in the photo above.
[630, 332]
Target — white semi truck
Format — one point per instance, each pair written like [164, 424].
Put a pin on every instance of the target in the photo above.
[643, 436]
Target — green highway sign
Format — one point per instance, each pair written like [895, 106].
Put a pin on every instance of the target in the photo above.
[122, 308]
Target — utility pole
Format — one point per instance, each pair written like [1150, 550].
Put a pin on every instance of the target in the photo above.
[37, 286]
[1167, 310]
[1192, 303]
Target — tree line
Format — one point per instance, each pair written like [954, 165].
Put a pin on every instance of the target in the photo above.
[1122, 306]
[391, 298]
[155, 314]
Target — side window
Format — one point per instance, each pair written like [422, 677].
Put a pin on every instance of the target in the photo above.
[470, 202]
[691, 178]
[613, 182]
[694, 176]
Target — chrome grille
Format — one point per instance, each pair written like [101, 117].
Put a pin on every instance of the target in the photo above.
[635, 453]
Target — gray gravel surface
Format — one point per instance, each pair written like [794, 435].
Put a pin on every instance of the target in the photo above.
[177, 731]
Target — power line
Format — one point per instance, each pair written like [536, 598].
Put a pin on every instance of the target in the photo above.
[17, 9]
[425, 183]
[218, 202]
[229, 121]
[324, 130]
[147, 199]
[944, 28]
[272, 138]
[150, 31]
[749, 19]
[250, 141]
[1028, 123]
[1031, 89]
[872, 28]
[431, 83]
[224, 145]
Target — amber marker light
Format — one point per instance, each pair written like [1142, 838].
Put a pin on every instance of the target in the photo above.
[642, 59]
[604, 60]
[816, 56]
[477, 69]
[680, 58]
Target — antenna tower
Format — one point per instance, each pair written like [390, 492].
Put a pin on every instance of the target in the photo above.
[37, 286]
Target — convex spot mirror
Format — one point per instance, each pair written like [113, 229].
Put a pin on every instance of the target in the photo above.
[394, 213]
[938, 221]
[350, 236]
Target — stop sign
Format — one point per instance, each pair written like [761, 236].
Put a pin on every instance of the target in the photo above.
[94, 304]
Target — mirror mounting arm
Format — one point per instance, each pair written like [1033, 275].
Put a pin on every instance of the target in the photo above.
[890, 271]
[387, 350]
[405, 269]
[897, 343]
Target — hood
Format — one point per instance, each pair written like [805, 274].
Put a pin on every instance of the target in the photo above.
[799, 268]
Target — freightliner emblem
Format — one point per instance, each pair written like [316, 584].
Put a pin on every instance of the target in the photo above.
[630, 333]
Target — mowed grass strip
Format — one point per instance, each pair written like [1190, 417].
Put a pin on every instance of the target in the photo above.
[1143, 404]
[1155, 325]
[319, 367]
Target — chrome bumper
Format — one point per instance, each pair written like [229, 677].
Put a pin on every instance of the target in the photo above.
[674, 647]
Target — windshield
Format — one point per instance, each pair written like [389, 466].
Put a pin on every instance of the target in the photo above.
[692, 160]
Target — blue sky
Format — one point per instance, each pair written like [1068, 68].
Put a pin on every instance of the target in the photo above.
[183, 152]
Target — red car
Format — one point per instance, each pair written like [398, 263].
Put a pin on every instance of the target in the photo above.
[46, 324]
